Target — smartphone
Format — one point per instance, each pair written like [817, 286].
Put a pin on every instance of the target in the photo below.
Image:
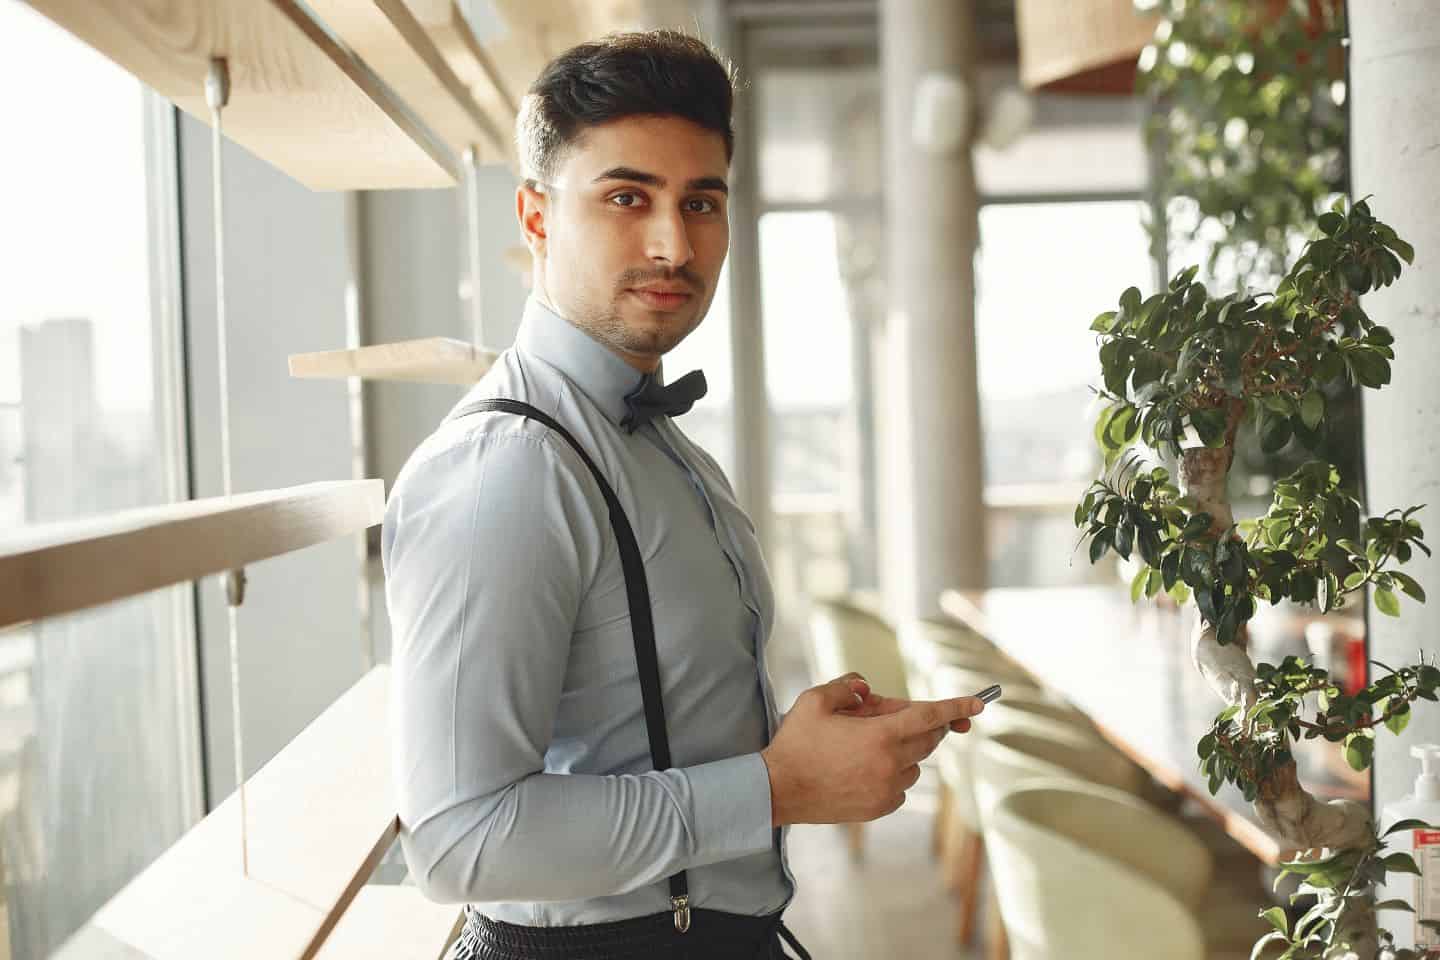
[990, 693]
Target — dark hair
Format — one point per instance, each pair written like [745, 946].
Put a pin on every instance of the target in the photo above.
[644, 73]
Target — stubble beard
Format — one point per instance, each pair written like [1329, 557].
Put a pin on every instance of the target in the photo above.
[609, 327]
[607, 324]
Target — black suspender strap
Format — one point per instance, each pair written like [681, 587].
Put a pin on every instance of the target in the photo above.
[642, 625]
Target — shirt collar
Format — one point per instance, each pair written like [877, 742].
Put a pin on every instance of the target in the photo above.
[586, 362]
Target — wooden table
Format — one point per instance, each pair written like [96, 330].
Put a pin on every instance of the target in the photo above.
[1128, 667]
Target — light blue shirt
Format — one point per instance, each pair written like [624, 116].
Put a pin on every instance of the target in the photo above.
[521, 761]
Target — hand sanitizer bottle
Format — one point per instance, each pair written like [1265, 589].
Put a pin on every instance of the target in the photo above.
[1422, 892]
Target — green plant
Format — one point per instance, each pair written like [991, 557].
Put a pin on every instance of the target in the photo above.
[1184, 373]
[1248, 122]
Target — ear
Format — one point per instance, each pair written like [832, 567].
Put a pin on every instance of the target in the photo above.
[530, 211]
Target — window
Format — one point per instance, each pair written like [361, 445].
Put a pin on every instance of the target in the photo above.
[98, 738]
[1044, 270]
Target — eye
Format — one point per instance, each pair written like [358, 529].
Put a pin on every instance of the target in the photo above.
[701, 205]
[627, 200]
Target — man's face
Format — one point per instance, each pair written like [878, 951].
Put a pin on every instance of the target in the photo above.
[630, 237]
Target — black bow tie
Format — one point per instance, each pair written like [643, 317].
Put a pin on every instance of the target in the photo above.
[651, 399]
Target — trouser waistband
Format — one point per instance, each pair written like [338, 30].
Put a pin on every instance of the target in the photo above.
[712, 934]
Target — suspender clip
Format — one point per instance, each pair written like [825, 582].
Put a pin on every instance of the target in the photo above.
[682, 912]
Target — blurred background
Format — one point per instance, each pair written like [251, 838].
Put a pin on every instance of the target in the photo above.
[932, 201]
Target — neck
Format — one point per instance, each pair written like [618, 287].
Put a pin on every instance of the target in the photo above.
[642, 362]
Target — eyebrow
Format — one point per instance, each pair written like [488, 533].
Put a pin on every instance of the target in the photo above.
[632, 175]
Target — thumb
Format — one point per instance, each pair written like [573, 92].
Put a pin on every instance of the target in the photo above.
[840, 693]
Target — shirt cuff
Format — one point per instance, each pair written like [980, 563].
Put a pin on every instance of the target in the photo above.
[731, 800]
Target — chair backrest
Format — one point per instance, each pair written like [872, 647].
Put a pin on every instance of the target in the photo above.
[955, 756]
[1016, 706]
[1033, 747]
[844, 638]
[1086, 872]
[927, 643]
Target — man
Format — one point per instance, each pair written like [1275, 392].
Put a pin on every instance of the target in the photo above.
[524, 745]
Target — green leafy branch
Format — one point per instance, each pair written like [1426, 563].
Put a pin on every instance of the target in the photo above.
[1349, 875]
[1181, 365]
[1289, 553]
[1245, 750]
[1304, 546]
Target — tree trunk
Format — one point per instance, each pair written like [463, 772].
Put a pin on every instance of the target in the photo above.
[1287, 809]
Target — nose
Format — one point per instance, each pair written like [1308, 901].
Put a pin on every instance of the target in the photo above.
[667, 240]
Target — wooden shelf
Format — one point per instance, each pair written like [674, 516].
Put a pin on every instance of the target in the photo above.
[392, 923]
[430, 360]
[300, 98]
[56, 568]
[321, 816]
[393, 43]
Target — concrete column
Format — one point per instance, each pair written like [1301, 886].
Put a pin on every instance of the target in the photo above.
[1395, 153]
[747, 328]
[932, 514]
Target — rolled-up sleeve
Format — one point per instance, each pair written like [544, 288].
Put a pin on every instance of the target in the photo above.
[489, 544]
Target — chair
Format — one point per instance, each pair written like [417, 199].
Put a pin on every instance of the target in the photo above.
[928, 645]
[1008, 758]
[1086, 872]
[847, 637]
[1022, 709]
[1021, 705]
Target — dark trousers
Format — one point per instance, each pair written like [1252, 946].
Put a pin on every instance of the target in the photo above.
[713, 935]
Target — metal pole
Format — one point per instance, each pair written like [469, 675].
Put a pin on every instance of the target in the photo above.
[217, 95]
[472, 245]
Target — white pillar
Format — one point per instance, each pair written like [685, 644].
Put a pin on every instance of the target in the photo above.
[751, 447]
[1395, 153]
[932, 513]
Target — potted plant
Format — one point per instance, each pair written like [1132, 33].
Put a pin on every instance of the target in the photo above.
[1184, 374]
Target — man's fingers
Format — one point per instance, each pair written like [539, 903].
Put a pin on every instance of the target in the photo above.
[910, 776]
[876, 705]
[960, 726]
[924, 715]
[838, 694]
[917, 748]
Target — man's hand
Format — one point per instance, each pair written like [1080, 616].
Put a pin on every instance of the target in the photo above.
[844, 754]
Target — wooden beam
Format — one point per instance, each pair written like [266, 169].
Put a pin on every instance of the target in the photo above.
[392, 923]
[300, 99]
[56, 568]
[387, 36]
[321, 815]
[474, 65]
[429, 360]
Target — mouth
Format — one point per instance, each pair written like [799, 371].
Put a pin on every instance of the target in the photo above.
[660, 298]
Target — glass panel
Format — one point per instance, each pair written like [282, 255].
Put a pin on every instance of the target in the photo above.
[818, 133]
[808, 372]
[817, 475]
[1042, 274]
[96, 773]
